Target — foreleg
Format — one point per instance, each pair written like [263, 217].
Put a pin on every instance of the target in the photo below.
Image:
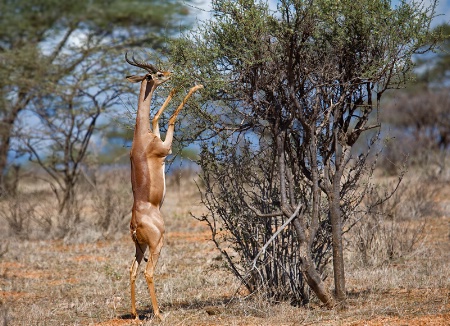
[170, 129]
[155, 124]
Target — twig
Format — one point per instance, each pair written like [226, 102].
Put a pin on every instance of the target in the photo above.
[259, 214]
[281, 228]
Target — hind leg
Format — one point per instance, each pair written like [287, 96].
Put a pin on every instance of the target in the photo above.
[149, 272]
[133, 273]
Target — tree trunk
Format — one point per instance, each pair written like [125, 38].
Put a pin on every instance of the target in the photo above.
[308, 267]
[309, 270]
[5, 141]
[334, 197]
[6, 128]
[4, 148]
[338, 252]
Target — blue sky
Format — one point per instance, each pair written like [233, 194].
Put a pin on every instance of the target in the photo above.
[442, 9]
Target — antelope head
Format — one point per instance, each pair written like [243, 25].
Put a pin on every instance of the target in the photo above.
[158, 77]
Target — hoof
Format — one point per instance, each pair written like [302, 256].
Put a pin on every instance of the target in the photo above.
[159, 317]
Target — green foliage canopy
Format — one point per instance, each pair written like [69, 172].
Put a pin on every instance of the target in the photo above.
[47, 46]
[247, 49]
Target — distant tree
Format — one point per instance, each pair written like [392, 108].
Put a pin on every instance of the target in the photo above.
[287, 95]
[419, 116]
[115, 144]
[68, 114]
[435, 70]
[43, 43]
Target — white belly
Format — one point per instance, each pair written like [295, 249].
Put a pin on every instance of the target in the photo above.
[164, 184]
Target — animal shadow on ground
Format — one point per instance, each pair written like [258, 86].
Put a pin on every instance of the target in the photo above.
[208, 305]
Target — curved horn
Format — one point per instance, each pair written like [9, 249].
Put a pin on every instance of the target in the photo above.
[141, 64]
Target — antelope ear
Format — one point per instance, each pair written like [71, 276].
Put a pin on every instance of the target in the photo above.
[135, 79]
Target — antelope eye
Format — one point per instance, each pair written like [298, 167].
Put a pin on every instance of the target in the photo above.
[160, 74]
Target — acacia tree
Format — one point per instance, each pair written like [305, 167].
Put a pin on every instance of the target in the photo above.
[288, 93]
[68, 116]
[44, 42]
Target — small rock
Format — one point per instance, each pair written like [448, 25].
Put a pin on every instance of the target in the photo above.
[212, 311]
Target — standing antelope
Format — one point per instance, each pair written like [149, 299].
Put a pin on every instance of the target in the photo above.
[147, 156]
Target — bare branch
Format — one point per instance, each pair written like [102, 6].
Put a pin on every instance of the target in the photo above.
[281, 228]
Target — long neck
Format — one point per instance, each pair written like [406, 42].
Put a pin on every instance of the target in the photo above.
[143, 112]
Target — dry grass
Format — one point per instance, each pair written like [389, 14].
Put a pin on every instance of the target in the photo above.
[57, 282]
